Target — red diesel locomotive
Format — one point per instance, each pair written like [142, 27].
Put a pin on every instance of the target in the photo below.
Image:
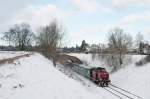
[97, 74]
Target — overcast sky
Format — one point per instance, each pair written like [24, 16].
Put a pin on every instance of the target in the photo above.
[83, 19]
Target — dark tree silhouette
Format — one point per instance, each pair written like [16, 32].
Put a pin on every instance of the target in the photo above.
[84, 46]
[20, 35]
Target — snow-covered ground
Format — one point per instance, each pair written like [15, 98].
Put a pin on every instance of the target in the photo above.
[89, 59]
[132, 78]
[35, 77]
[10, 54]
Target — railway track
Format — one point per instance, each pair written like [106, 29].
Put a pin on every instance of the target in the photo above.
[113, 89]
[121, 93]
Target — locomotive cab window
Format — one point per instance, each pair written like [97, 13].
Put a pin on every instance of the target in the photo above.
[101, 69]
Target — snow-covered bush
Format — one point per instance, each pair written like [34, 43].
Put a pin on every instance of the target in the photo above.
[143, 61]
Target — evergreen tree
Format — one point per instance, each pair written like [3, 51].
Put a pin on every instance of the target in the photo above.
[84, 46]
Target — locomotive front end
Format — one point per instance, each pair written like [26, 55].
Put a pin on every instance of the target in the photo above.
[103, 77]
[100, 76]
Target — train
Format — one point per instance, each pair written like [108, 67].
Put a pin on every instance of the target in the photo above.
[98, 75]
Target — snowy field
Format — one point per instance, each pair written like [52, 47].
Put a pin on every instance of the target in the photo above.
[97, 61]
[89, 59]
[35, 77]
[10, 54]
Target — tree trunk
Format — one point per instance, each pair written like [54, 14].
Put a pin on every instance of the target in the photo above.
[120, 58]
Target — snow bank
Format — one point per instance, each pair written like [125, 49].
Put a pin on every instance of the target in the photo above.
[133, 78]
[88, 58]
[91, 60]
[35, 77]
[10, 54]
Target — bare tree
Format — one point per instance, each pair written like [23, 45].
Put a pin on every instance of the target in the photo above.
[7, 37]
[119, 42]
[139, 42]
[20, 35]
[139, 39]
[49, 38]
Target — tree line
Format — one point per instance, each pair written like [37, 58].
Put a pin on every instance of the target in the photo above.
[50, 37]
[46, 39]
[114, 52]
